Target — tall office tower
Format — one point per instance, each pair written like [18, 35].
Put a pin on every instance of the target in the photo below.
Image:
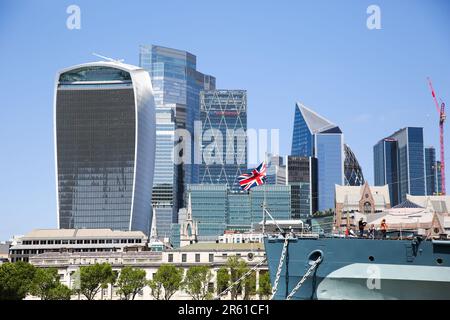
[104, 117]
[353, 172]
[224, 121]
[302, 176]
[176, 86]
[315, 136]
[401, 156]
[430, 171]
[385, 167]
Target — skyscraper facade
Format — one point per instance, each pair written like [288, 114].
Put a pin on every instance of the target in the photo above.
[400, 159]
[386, 168]
[352, 170]
[302, 176]
[430, 169]
[176, 85]
[315, 136]
[223, 114]
[104, 116]
[216, 208]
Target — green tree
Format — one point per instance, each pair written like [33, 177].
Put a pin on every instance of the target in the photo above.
[130, 282]
[15, 280]
[46, 285]
[265, 287]
[60, 292]
[95, 277]
[237, 269]
[166, 281]
[250, 285]
[197, 281]
[223, 279]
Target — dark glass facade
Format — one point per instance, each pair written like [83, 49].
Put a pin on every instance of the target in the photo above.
[399, 161]
[302, 176]
[385, 167]
[430, 168]
[352, 170]
[97, 146]
[223, 115]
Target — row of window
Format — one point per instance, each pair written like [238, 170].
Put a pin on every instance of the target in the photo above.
[197, 257]
[85, 241]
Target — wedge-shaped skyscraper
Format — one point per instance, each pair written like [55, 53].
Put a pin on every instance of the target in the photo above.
[104, 117]
[315, 136]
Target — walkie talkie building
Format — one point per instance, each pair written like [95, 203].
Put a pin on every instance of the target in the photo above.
[104, 120]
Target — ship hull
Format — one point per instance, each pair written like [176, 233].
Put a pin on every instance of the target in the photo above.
[362, 268]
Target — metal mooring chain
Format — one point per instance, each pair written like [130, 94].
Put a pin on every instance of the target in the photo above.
[307, 274]
[280, 266]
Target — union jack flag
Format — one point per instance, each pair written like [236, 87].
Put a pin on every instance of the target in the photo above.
[256, 178]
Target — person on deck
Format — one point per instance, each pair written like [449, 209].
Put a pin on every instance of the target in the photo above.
[372, 231]
[384, 228]
[361, 225]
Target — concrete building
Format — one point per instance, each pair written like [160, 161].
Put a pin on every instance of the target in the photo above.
[76, 241]
[4, 251]
[213, 255]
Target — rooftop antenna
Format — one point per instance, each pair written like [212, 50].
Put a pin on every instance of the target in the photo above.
[107, 58]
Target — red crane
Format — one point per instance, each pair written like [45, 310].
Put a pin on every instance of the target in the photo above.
[441, 111]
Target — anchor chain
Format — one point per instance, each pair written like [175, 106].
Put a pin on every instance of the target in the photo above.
[307, 274]
[280, 266]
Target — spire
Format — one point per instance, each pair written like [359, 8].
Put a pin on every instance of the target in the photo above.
[153, 232]
[189, 208]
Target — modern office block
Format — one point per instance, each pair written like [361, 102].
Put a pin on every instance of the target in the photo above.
[104, 117]
[302, 176]
[176, 85]
[223, 114]
[315, 136]
[216, 208]
[399, 162]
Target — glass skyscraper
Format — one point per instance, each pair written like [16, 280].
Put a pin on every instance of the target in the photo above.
[224, 115]
[176, 86]
[302, 176]
[104, 117]
[401, 157]
[386, 168]
[430, 168]
[216, 208]
[315, 136]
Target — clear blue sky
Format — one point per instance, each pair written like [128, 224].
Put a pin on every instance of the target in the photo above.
[370, 82]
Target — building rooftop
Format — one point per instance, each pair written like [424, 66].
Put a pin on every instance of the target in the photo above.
[81, 233]
[212, 246]
[352, 194]
[315, 122]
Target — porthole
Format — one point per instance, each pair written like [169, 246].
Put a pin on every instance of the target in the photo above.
[439, 261]
[371, 258]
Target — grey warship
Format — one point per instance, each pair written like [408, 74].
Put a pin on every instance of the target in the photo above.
[333, 267]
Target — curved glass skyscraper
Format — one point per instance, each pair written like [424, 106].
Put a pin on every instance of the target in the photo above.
[104, 118]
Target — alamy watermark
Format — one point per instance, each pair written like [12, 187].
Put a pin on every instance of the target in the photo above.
[74, 19]
[230, 146]
[373, 21]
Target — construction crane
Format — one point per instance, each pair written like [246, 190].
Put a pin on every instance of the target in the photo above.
[441, 111]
